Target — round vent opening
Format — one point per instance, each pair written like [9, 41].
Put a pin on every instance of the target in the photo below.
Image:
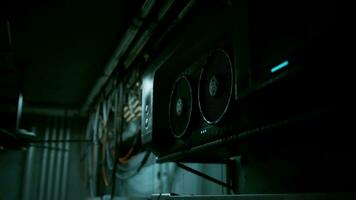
[215, 86]
[180, 107]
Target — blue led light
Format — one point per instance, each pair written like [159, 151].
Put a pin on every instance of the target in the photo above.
[280, 66]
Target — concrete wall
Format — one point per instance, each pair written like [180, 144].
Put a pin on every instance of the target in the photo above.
[44, 170]
[11, 174]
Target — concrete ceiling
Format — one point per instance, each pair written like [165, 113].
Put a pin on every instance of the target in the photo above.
[61, 47]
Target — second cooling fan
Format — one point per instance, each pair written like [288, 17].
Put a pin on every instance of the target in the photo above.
[180, 107]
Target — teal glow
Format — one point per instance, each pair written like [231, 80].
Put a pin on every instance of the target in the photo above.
[280, 66]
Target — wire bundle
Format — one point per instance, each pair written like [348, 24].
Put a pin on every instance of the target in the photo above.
[105, 159]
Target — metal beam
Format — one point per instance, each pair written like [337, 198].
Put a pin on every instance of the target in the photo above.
[42, 111]
[205, 176]
[126, 40]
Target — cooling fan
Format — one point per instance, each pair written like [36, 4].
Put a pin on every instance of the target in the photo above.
[180, 107]
[215, 88]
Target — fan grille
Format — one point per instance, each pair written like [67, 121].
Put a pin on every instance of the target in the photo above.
[180, 107]
[215, 86]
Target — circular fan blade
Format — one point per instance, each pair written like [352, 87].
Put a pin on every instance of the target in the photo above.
[180, 107]
[215, 86]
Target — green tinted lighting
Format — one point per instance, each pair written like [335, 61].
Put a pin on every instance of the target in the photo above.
[280, 66]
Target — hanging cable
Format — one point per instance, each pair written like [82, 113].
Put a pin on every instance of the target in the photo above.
[142, 164]
[124, 159]
[106, 180]
[118, 130]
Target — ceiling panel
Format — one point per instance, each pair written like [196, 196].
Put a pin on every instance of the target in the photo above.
[62, 47]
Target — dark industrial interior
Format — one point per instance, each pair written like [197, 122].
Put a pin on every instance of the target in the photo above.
[177, 99]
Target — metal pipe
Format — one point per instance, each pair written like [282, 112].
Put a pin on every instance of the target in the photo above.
[58, 176]
[41, 111]
[146, 35]
[54, 112]
[62, 141]
[63, 192]
[51, 164]
[188, 7]
[27, 189]
[127, 39]
[47, 147]
[147, 7]
[44, 168]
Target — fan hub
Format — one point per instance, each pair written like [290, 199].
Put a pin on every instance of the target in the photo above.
[179, 107]
[213, 86]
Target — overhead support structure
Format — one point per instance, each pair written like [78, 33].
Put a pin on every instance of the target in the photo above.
[43, 111]
[126, 41]
[134, 42]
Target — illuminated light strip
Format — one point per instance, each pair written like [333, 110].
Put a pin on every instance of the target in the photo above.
[280, 66]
